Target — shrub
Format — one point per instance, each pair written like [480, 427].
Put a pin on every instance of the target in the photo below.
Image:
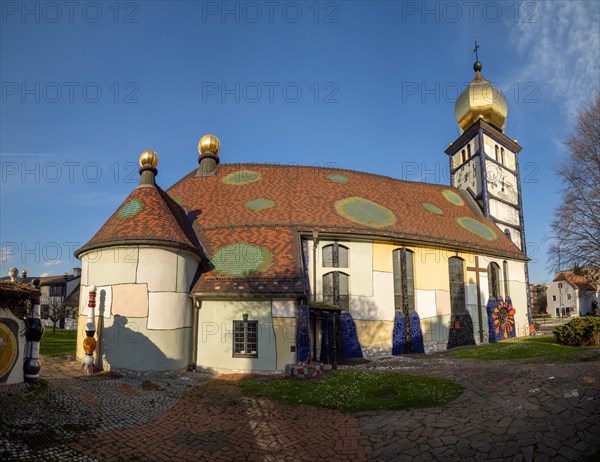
[579, 332]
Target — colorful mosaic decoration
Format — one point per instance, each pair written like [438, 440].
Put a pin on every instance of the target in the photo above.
[242, 259]
[461, 330]
[241, 177]
[365, 212]
[9, 347]
[350, 344]
[259, 204]
[477, 228]
[501, 319]
[131, 208]
[399, 338]
[452, 197]
[338, 178]
[302, 334]
[432, 208]
[89, 342]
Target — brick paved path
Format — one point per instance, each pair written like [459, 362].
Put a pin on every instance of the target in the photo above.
[507, 412]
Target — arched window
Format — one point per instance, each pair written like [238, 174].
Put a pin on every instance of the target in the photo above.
[505, 271]
[336, 289]
[462, 156]
[497, 155]
[468, 151]
[335, 256]
[457, 285]
[494, 280]
[404, 280]
[502, 156]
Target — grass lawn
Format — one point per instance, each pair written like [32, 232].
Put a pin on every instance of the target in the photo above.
[351, 390]
[60, 344]
[530, 349]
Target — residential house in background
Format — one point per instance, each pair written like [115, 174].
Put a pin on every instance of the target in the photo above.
[572, 294]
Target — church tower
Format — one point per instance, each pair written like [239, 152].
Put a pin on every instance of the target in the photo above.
[483, 160]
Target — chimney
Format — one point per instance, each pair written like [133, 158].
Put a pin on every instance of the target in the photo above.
[208, 147]
[77, 272]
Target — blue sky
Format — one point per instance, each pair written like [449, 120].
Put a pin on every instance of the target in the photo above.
[370, 86]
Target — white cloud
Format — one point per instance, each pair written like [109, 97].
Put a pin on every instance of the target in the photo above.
[6, 254]
[43, 275]
[52, 262]
[560, 44]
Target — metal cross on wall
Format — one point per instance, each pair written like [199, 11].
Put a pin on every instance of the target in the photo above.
[478, 270]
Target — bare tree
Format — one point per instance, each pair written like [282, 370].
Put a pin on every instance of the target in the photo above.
[575, 235]
[59, 309]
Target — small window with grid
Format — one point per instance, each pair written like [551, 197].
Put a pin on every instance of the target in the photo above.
[245, 339]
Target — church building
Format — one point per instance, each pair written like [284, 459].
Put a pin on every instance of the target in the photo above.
[251, 267]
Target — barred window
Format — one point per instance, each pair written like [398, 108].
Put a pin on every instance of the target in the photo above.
[335, 256]
[494, 280]
[404, 280]
[336, 289]
[457, 284]
[245, 339]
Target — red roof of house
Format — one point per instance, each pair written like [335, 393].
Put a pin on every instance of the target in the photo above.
[579, 282]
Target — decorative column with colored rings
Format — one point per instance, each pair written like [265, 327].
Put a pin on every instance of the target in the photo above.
[89, 342]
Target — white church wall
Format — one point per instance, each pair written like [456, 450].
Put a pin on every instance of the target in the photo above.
[103, 301]
[130, 300]
[215, 336]
[284, 308]
[116, 265]
[504, 212]
[169, 310]
[425, 303]
[126, 343]
[158, 268]
[284, 326]
[187, 265]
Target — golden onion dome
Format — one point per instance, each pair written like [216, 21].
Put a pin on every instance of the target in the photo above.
[209, 143]
[480, 100]
[148, 158]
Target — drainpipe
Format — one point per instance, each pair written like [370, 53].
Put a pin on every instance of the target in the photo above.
[315, 234]
[196, 305]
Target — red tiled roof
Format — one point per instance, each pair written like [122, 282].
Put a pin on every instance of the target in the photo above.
[579, 282]
[148, 214]
[264, 205]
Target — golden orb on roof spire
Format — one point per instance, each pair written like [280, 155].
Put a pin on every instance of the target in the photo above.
[148, 158]
[209, 143]
[480, 100]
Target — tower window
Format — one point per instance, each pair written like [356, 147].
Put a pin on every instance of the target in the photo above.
[336, 289]
[468, 151]
[497, 154]
[335, 256]
[502, 156]
[404, 280]
[462, 156]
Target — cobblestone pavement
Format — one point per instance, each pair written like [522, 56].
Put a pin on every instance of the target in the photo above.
[508, 412]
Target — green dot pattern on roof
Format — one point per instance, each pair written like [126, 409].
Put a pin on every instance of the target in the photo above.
[242, 259]
[478, 228]
[338, 178]
[242, 177]
[432, 208]
[131, 208]
[178, 199]
[259, 204]
[452, 197]
[365, 212]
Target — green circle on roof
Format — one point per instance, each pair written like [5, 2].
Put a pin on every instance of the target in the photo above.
[241, 177]
[452, 197]
[432, 208]
[478, 228]
[259, 204]
[242, 259]
[365, 212]
[178, 199]
[131, 208]
[338, 178]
